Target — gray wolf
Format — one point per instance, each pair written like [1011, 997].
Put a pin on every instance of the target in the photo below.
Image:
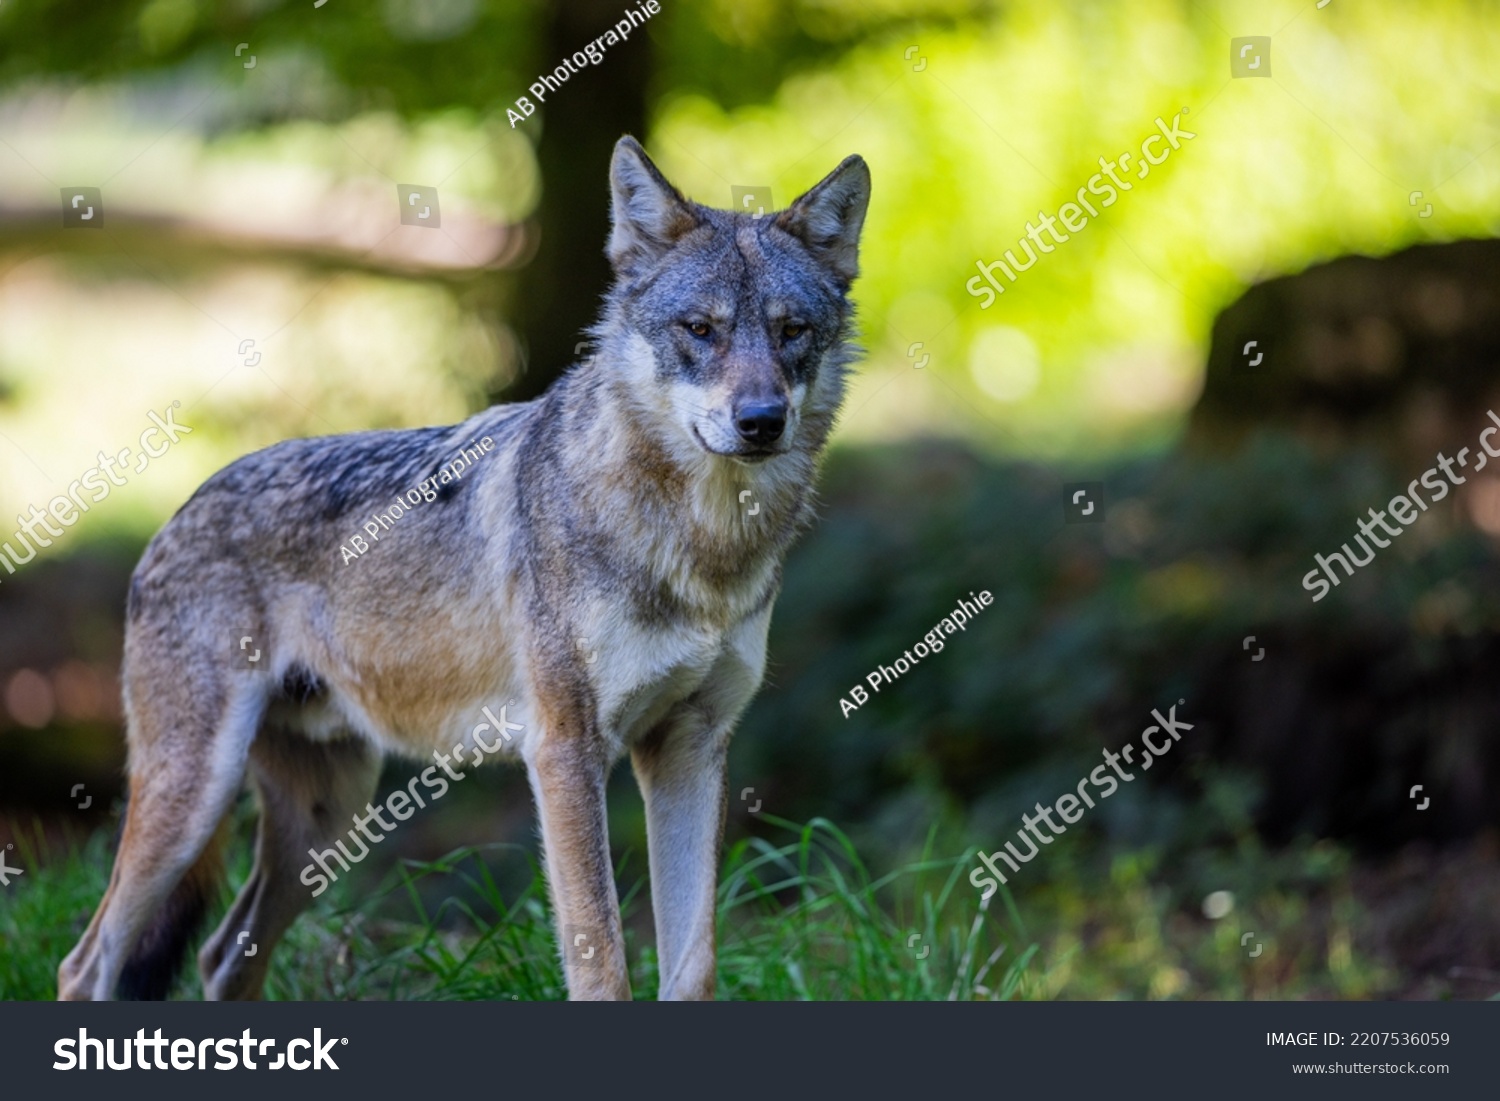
[644, 503]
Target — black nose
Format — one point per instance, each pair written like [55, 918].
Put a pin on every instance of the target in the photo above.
[761, 423]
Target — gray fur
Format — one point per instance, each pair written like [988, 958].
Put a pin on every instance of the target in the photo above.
[616, 509]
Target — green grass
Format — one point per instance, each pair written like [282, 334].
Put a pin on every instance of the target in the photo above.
[799, 919]
[44, 911]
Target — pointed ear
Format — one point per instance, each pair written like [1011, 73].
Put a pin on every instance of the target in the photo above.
[649, 213]
[828, 218]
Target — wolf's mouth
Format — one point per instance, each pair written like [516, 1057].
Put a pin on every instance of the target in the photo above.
[759, 455]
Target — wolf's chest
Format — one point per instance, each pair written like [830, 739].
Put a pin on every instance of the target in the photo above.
[639, 673]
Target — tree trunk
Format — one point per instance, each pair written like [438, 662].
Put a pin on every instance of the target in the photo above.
[558, 294]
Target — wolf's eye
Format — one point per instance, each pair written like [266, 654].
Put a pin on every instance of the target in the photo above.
[793, 329]
[698, 328]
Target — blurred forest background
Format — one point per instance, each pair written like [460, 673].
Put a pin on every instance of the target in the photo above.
[251, 264]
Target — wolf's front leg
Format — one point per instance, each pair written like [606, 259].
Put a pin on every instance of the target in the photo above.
[683, 771]
[567, 772]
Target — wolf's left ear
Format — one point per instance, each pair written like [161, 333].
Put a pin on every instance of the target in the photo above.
[829, 217]
[649, 213]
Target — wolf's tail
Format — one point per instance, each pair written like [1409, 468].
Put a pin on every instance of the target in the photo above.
[162, 948]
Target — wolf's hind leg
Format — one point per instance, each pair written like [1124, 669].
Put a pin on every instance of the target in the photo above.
[308, 792]
[188, 745]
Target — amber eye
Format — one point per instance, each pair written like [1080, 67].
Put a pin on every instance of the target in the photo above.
[792, 330]
[698, 328]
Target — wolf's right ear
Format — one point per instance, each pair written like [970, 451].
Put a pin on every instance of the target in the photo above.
[829, 218]
[649, 213]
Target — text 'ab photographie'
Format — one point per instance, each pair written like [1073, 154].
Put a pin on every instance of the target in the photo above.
[932, 643]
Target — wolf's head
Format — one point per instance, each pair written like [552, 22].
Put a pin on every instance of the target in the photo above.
[732, 329]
